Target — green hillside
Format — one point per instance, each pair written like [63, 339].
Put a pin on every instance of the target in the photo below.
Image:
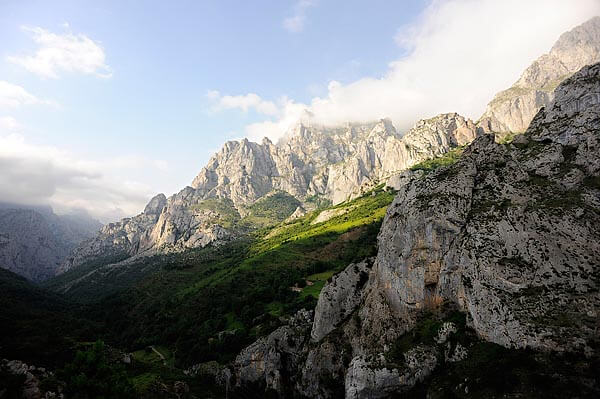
[38, 326]
[207, 304]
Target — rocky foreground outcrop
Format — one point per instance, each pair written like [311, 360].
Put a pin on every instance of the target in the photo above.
[512, 110]
[311, 162]
[509, 235]
[24, 381]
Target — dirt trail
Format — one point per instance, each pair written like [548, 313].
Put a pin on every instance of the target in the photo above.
[162, 357]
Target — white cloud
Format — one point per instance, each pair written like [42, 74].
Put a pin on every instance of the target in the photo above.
[460, 53]
[289, 114]
[243, 102]
[295, 23]
[40, 174]
[12, 95]
[8, 124]
[284, 113]
[66, 52]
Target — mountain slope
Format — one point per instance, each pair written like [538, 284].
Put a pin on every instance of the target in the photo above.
[512, 110]
[313, 165]
[34, 241]
[37, 326]
[208, 303]
[508, 237]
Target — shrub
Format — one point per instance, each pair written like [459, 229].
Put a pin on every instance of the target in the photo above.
[91, 375]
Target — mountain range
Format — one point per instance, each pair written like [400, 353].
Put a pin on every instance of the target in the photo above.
[312, 164]
[508, 234]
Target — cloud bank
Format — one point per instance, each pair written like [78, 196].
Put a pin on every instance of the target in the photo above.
[460, 53]
[38, 174]
[65, 52]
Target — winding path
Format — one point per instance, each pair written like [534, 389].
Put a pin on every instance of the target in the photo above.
[162, 357]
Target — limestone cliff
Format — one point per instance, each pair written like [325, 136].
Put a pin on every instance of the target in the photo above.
[508, 235]
[512, 110]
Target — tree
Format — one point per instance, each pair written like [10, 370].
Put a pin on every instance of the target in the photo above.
[91, 375]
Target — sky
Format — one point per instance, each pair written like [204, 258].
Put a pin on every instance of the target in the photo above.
[104, 104]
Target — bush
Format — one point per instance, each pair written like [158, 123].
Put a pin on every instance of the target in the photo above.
[91, 375]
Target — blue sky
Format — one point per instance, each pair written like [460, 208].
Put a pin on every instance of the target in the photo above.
[139, 119]
[166, 58]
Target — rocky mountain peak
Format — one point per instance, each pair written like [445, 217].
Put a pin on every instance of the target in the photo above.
[579, 46]
[384, 126]
[266, 141]
[512, 110]
[156, 205]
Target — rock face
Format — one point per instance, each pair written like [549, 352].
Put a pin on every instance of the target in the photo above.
[174, 224]
[34, 241]
[339, 298]
[330, 162]
[334, 164]
[510, 231]
[271, 361]
[512, 110]
[509, 234]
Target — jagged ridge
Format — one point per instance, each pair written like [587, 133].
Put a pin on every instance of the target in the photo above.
[336, 164]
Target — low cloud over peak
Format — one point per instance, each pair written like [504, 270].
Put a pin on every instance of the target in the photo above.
[459, 54]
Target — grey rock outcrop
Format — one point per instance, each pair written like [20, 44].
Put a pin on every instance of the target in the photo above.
[366, 379]
[34, 240]
[508, 234]
[339, 298]
[30, 376]
[271, 361]
[512, 110]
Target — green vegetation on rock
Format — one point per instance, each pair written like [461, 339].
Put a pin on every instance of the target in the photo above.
[449, 158]
[270, 210]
